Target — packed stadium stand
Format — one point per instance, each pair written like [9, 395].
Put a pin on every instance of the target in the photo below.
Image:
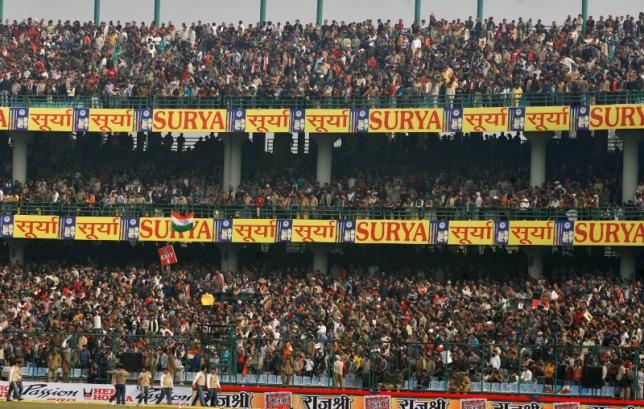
[498, 256]
[359, 59]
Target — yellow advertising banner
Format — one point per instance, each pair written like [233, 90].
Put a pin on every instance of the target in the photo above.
[51, 119]
[314, 231]
[254, 230]
[547, 118]
[609, 233]
[160, 229]
[616, 116]
[471, 232]
[35, 227]
[4, 119]
[189, 120]
[98, 228]
[405, 120]
[318, 398]
[111, 120]
[327, 120]
[531, 233]
[268, 120]
[485, 119]
[392, 231]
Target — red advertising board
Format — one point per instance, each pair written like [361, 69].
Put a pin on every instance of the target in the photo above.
[167, 256]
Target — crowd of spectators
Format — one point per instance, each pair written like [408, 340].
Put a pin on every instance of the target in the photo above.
[363, 191]
[441, 321]
[451, 173]
[337, 59]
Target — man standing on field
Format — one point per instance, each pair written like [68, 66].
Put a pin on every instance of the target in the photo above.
[144, 383]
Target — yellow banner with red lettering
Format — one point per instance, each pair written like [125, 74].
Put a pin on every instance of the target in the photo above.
[392, 231]
[485, 119]
[547, 118]
[98, 228]
[457, 232]
[327, 120]
[354, 120]
[160, 229]
[35, 227]
[531, 233]
[314, 231]
[616, 117]
[189, 120]
[406, 120]
[471, 232]
[609, 233]
[111, 120]
[268, 120]
[254, 230]
[51, 119]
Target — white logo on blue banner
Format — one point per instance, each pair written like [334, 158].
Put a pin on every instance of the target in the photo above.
[517, 119]
[582, 120]
[502, 233]
[347, 229]
[454, 120]
[81, 119]
[297, 120]
[284, 230]
[564, 233]
[19, 119]
[6, 228]
[360, 120]
[224, 230]
[143, 119]
[130, 230]
[439, 232]
[68, 232]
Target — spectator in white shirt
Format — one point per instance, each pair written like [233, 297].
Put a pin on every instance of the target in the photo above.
[526, 375]
[166, 383]
[495, 361]
[199, 385]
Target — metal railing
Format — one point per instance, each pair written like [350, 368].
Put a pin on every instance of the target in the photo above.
[323, 212]
[462, 100]
[371, 364]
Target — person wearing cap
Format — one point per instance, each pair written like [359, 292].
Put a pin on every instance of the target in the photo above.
[166, 383]
[144, 382]
[212, 382]
[15, 381]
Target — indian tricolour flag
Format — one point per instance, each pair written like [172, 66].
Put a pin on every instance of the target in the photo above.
[182, 223]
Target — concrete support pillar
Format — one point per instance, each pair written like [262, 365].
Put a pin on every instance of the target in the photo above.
[320, 259]
[627, 264]
[538, 145]
[16, 251]
[262, 11]
[232, 161]
[325, 157]
[20, 143]
[97, 12]
[229, 258]
[630, 164]
[535, 262]
[157, 12]
[319, 13]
